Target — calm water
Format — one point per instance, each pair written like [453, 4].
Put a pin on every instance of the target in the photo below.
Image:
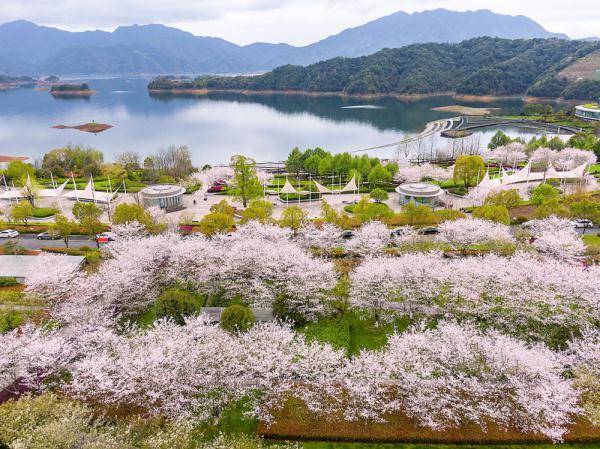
[213, 127]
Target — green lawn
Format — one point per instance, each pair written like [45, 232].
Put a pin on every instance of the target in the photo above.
[352, 332]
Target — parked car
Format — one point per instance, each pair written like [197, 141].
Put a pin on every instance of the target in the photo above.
[105, 237]
[347, 235]
[429, 230]
[582, 223]
[48, 236]
[398, 232]
[9, 234]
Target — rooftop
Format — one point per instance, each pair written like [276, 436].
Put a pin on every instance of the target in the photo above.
[593, 106]
[162, 190]
[419, 189]
[12, 158]
[19, 266]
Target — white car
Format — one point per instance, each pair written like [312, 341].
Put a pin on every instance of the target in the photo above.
[582, 223]
[9, 234]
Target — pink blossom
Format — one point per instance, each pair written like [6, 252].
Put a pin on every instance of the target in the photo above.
[556, 237]
[471, 231]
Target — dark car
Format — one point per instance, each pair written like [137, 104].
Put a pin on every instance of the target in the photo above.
[429, 230]
[48, 236]
[347, 235]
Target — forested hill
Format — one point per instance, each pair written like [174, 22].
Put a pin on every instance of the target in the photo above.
[481, 66]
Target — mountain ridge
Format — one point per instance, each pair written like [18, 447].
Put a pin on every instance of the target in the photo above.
[31, 49]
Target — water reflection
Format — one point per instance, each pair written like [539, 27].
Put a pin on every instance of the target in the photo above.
[214, 126]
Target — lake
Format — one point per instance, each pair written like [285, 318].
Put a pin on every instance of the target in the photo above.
[215, 126]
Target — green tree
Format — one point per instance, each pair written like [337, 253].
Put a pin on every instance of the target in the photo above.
[418, 214]
[499, 140]
[223, 207]
[507, 198]
[216, 223]
[365, 210]
[176, 304]
[326, 165]
[311, 164]
[64, 227]
[328, 213]
[495, 213]
[88, 215]
[392, 167]
[245, 185]
[237, 318]
[543, 193]
[295, 162]
[131, 212]
[379, 175]
[551, 206]
[469, 170]
[260, 210]
[293, 217]
[379, 195]
[586, 209]
[21, 212]
[17, 171]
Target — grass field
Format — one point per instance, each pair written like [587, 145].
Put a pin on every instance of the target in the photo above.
[327, 445]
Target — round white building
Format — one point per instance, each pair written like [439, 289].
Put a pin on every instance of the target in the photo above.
[420, 193]
[166, 196]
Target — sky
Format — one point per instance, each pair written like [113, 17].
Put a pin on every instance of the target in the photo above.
[297, 22]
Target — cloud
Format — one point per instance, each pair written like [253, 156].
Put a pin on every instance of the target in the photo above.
[292, 21]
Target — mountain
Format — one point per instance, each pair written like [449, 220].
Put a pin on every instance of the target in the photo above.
[31, 49]
[480, 66]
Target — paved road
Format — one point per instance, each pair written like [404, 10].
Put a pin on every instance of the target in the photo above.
[30, 241]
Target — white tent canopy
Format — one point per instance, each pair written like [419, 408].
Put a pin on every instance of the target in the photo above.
[288, 188]
[89, 194]
[526, 175]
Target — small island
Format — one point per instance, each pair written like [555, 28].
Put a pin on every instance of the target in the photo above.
[77, 90]
[11, 82]
[92, 127]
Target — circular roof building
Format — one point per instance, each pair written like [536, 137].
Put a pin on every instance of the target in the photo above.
[419, 192]
[166, 196]
[589, 111]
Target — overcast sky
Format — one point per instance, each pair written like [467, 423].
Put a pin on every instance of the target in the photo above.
[297, 22]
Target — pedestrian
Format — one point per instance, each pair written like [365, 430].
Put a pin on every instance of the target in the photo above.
[194, 201]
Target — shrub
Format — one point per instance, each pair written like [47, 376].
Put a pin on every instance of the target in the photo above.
[379, 195]
[551, 207]
[216, 223]
[176, 304]
[448, 215]
[497, 214]
[260, 210]
[8, 282]
[543, 193]
[237, 318]
[507, 198]
[10, 319]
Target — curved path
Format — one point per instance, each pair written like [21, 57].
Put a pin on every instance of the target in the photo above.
[466, 123]
[431, 128]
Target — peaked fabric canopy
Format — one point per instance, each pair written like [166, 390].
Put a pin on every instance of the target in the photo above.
[288, 188]
[321, 188]
[351, 186]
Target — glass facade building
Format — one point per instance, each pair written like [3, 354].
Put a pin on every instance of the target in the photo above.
[419, 193]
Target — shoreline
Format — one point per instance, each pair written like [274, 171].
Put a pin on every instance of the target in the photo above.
[73, 93]
[402, 97]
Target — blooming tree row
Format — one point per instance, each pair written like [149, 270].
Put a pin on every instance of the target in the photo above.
[442, 378]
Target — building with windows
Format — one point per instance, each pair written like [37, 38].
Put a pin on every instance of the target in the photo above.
[166, 196]
[589, 111]
[420, 193]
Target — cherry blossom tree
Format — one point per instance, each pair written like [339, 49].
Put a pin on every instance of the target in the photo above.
[370, 238]
[51, 275]
[543, 158]
[569, 158]
[511, 293]
[323, 235]
[415, 173]
[509, 154]
[471, 231]
[452, 375]
[556, 237]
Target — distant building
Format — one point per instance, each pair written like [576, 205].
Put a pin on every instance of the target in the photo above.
[420, 193]
[5, 160]
[166, 196]
[589, 111]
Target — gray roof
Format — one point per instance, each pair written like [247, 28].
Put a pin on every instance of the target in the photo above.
[19, 266]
